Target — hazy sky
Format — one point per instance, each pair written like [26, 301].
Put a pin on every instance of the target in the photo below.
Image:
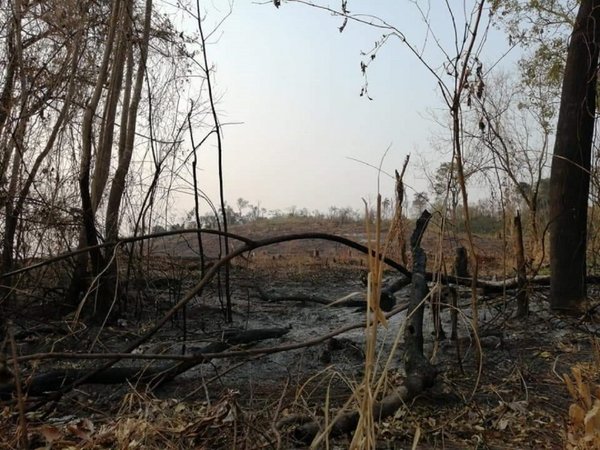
[293, 81]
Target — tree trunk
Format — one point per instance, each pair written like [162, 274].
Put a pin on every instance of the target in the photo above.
[109, 283]
[461, 263]
[6, 97]
[522, 296]
[127, 139]
[537, 252]
[88, 233]
[105, 141]
[420, 373]
[570, 179]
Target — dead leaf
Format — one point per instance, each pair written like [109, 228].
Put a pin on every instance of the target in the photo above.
[83, 429]
[51, 433]
[519, 406]
[502, 424]
[566, 348]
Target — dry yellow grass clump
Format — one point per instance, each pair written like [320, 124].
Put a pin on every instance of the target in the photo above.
[583, 431]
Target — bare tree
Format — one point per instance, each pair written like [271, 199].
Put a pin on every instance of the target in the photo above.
[37, 95]
[460, 70]
[570, 176]
[72, 95]
[517, 125]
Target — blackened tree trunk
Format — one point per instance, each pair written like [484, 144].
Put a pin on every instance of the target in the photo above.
[522, 295]
[570, 179]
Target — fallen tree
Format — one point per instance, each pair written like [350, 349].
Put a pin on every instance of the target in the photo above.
[157, 375]
[387, 301]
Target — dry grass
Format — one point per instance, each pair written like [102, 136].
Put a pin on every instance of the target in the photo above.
[145, 422]
[583, 431]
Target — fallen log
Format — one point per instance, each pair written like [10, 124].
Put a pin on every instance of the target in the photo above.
[56, 380]
[346, 423]
[387, 301]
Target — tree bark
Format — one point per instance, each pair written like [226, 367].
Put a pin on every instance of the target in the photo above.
[570, 178]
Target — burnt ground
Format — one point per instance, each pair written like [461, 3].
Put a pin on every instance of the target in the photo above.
[509, 396]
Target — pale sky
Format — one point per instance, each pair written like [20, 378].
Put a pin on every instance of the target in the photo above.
[293, 81]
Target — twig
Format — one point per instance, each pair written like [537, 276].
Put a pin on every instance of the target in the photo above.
[22, 429]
